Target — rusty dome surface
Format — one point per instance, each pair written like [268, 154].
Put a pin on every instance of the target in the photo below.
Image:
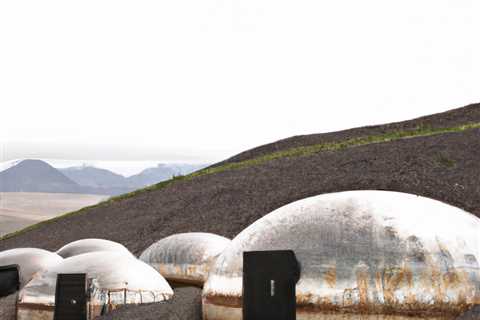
[363, 255]
[90, 245]
[30, 261]
[185, 257]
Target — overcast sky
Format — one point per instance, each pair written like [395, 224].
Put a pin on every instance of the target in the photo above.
[191, 80]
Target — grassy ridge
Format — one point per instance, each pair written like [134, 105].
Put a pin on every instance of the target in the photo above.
[421, 131]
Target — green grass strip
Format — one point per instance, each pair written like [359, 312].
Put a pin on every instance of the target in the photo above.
[421, 131]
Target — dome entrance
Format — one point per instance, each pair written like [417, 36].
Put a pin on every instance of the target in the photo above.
[269, 279]
[71, 296]
[9, 280]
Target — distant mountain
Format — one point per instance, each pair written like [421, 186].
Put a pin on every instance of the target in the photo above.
[39, 176]
[36, 176]
[8, 164]
[160, 173]
[94, 177]
[105, 179]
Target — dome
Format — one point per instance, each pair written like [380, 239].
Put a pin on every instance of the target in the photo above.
[90, 245]
[29, 260]
[375, 253]
[112, 271]
[185, 257]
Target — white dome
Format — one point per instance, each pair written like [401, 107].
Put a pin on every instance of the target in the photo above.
[376, 253]
[29, 260]
[113, 271]
[90, 245]
[185, 257]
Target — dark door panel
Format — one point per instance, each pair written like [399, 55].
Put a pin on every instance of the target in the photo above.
[269, 279]
[9, 280]
[71, 297]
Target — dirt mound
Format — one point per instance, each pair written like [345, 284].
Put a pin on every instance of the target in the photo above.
[185, 304]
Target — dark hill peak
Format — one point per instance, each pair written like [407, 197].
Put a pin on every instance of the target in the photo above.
[35, 176]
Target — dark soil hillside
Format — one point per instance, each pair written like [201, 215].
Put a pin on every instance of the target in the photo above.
[441, 120]
[442, 166]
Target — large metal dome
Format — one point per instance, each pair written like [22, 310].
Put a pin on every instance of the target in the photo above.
[29, 261]
[185, 257]
[378, 254]
[90, 245]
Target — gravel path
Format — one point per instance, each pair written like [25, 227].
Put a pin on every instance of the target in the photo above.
[186, 304]
[7, 307]
[472, 314]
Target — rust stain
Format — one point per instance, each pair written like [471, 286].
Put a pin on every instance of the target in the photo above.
[410, 298]
[330, 277]
[462, 299]
[176, 281]
[35, 306]
[191, 269]
[452, 279]
[348, 297]
[391, 281]
[436, 277]
[450, 292]
[362, 283]
[232, 301]
[305, 304]
[378, 282]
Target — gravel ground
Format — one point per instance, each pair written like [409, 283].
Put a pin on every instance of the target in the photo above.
[472, 314]
[186, 304]
[7, 307]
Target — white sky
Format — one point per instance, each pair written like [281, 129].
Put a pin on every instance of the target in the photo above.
[191, 80]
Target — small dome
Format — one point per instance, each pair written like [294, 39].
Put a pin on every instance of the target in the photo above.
[90, 245]
[114, 272]
[185, 257]
[29, 260]
[376, 253]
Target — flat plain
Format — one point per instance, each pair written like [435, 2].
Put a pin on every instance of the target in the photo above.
[21, 209]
